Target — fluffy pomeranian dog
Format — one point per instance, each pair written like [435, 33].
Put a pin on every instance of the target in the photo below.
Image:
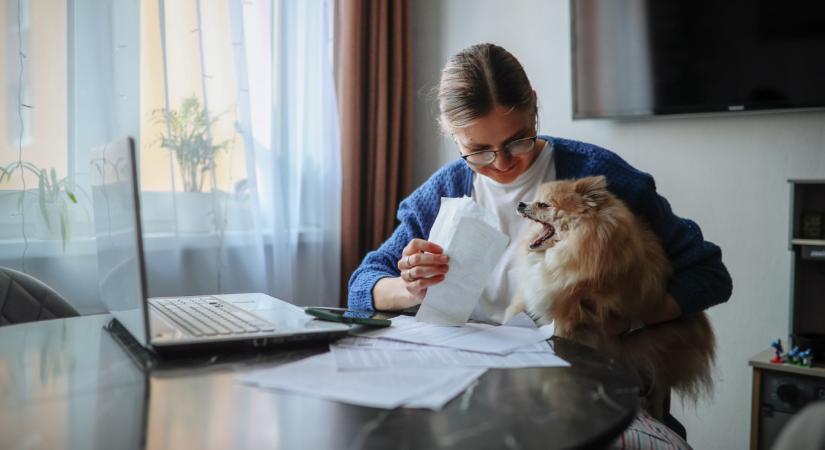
[586, 258]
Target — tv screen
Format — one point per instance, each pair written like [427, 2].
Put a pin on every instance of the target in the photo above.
[652, 57]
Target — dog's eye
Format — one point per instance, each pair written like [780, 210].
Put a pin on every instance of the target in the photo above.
[542, 205]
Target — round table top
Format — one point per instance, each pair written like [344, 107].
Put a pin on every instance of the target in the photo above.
[69, 383]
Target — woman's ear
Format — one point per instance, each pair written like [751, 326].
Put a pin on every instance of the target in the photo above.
[592, 189]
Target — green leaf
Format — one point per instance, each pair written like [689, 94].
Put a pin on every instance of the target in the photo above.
[71, 196]
[41, 200]
[55, 184]
[65, 231]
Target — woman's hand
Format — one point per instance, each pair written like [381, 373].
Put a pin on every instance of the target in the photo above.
[422, 265]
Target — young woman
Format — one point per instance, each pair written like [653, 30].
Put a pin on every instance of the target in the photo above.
[489, 108]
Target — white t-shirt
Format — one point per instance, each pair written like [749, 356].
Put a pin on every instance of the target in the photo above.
[502, 199]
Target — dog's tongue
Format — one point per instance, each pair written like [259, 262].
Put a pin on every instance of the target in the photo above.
[546, 233]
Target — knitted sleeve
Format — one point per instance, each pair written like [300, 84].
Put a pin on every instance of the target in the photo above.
[416, 215]
[700, 279]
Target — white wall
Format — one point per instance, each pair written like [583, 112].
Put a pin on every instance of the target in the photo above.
[728, 173]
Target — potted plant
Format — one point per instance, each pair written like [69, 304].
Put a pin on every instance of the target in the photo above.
[54, 197]
[187, 136]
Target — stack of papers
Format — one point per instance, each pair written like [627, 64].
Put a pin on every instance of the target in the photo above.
[318, 376]
[426, 361]
[474, 337]
[410, 364]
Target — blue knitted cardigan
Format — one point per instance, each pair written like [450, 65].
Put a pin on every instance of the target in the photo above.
[699, 280]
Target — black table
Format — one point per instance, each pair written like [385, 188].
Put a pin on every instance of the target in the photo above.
[68, 383]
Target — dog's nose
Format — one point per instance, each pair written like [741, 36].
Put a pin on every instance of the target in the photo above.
[521, 206]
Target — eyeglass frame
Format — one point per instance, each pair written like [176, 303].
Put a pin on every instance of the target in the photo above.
[505, 148]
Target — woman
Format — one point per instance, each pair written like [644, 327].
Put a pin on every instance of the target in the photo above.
[488, 106]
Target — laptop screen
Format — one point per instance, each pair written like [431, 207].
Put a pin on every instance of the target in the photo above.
[121, 274]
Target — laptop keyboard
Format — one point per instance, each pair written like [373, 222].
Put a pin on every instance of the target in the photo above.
[209, 316]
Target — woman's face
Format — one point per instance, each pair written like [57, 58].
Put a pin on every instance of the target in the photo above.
[492, 132]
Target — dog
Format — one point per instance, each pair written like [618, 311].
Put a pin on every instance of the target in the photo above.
[587, 258]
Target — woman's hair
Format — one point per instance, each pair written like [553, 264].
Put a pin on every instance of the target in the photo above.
[477, 79]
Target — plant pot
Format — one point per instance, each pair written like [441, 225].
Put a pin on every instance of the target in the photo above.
[198, 212]
[44, 223]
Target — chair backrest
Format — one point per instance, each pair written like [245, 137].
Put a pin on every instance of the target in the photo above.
[24, 298]
[805, 430]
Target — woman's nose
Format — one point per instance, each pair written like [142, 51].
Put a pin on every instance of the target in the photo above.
[502, 161]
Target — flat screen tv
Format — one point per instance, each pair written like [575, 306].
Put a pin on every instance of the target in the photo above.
[657, 57]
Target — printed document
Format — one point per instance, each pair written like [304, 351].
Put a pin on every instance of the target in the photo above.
[318, 376]
[470, 236]
[354, 358]
[474, 337]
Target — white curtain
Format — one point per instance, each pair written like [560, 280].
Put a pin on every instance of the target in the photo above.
[233, 107]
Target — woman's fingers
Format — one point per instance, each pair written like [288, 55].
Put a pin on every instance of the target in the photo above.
[419, 287]
[419, 246]
[422, 265]
[426, 271]
[422, 259]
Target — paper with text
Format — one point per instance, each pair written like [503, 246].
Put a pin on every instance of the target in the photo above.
[473, 337]
[469, 235]
[354, 358]
[386, 344]
[318, 376]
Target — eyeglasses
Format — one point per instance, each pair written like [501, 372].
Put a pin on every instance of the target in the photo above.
[486, 157]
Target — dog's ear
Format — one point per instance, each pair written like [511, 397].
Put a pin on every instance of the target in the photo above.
[592, 189]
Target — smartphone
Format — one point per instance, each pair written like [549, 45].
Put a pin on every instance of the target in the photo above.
[369, 318]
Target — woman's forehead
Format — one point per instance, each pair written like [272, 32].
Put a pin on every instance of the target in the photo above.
[496, 127]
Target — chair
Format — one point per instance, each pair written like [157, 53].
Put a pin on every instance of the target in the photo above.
[24, 298]
[805, 430]
[660, 410]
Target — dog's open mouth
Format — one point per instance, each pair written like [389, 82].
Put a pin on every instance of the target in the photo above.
[547, 231]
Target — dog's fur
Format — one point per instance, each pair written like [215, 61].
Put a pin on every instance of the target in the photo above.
[598, 261]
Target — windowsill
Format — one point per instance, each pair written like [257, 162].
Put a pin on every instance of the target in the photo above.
[153, 242]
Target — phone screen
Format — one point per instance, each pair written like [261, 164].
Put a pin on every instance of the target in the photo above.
[351, 316]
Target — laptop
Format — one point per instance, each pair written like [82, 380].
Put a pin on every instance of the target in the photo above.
[176, 323]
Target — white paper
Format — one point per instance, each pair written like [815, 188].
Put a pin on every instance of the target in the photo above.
[386, 344]
[469, 236]
[437, 398]
[353, 358]
[473, 337]
[318, 376]
[548, 330]
[523, 320]
[520, 320]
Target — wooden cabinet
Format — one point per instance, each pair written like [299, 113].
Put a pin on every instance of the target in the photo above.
[781, 390]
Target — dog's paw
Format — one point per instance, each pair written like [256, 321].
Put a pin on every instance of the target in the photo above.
[516, 306]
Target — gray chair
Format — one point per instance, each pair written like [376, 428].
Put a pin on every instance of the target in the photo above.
[24, 298]
[805, 430]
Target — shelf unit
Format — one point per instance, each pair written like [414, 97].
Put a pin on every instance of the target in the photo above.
[807, 314]
[814, 242]
[779, 391]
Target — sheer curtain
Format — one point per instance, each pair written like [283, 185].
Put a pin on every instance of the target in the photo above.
[265, 215]
[232, 103]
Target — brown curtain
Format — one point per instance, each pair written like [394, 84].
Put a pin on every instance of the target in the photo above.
[374, 77]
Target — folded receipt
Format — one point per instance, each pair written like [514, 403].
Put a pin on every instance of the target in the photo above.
[470, 236]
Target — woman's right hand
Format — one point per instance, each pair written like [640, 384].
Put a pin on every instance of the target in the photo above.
[422, 265]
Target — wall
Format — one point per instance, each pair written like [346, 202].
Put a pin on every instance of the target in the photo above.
[728, 173]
